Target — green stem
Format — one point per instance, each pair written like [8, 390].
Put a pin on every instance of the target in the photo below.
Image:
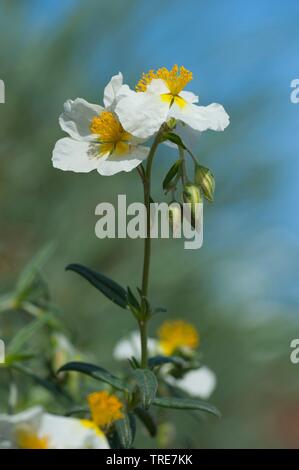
[143, 339]
[183, 166]
[147, 245]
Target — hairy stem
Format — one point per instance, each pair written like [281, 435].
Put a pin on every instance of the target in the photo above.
[147, 245]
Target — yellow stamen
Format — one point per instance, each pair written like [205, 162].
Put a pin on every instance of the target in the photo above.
[177, 334]
[111, 134]
[30, 440]
[105, 408]
[175, 79]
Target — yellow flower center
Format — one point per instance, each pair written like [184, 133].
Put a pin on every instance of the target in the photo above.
[86, 423]
[177, 334]
[105, 408]
[30, 440]
[111, 135]
[175, 79]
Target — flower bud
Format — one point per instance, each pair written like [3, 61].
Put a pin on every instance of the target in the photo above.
[192, 195]
[171, 123]
[205, 179]
[175, 218]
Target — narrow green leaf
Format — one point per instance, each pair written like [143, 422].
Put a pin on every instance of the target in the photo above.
[108, 287]
[132, 299]
[147, 384]
[25, 333]
[186, 404]
[175, 139]
[159, 310]
[157, 361]
[147, 420]
[52, 387]
[95, 372]
[11, 358]
[78, 411]
[134, 363]
[126, 430]
[31, 271]
[171, 174]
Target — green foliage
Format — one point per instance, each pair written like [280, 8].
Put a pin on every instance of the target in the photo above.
[108, 287]
[171, 174]
[147, 420]
[147, 385]
[175, 139]
[186, 404]
[95, 372]
[126, 430]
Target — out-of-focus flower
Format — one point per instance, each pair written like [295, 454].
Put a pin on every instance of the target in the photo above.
[63, 350]
[174, 337]
[159, 97]
[35, 429]
[105, 408]
[97, 140]
[177, 335]
[198, 383]
[130, 346]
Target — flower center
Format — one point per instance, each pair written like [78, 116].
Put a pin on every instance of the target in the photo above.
[177, 334]
[30, 440]
[175, 79]
[105, 408]
[86, 423]
[111, 134]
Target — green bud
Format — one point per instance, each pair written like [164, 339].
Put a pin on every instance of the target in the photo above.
[175, 218]
[205, 179]
[171, 123]
[192, 195]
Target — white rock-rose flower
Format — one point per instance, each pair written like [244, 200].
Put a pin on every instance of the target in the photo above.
[159, 96]
[35, 429]
[97, 139]
[199, 383]
[130, 346]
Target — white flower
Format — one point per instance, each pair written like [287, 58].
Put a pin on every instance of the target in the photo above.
[35, 429]
[130, 346]
[197, 383]
[97, 140]
[159, 97]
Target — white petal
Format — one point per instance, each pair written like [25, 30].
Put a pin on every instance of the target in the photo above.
[112, 89]
[201, 118]
[198, 383]
[188, 135]
[157, 86]
[71, 433]
[130, 346]
[30, 418]
[189, 96]
[76, 118]
[116, 163]
[142, 114]
[73, 155]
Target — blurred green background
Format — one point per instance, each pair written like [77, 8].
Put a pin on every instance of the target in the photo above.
[240, 289]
